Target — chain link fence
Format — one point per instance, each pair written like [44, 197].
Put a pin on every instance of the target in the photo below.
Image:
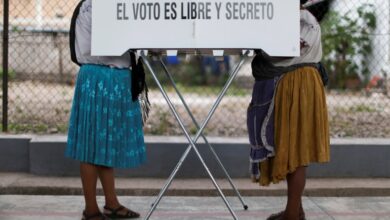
[356, 44]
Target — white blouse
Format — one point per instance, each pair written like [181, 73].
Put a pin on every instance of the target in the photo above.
[311, 37]
[83, 42]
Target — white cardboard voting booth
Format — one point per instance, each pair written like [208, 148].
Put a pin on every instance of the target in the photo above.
[218, 27]
[118, 25]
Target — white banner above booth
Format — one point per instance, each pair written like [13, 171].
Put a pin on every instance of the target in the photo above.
[119, 25]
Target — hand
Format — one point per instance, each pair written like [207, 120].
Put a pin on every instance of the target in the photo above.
[303, 44]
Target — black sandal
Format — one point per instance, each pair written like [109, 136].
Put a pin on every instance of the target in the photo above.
[279, 215]
[276, 216]
[114, 213]
[92, 216]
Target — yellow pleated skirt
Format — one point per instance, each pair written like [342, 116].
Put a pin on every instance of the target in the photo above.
[301, 125]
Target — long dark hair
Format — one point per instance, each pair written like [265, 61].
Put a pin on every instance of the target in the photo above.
[319, 10]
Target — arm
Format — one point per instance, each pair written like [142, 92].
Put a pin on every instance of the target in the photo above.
[83, 29]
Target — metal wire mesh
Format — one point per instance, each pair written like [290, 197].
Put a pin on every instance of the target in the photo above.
[356, 44]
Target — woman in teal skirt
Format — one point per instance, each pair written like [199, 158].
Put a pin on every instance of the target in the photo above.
[105, 126]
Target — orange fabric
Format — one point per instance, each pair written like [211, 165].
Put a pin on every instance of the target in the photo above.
[301, 125]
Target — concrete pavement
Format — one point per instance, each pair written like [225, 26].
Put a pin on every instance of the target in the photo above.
[23, 207]
[29, 197]
[21, 183]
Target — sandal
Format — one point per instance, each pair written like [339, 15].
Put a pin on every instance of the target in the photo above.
[276, 216]
[279, 216]
[92, 216]
[113, 213]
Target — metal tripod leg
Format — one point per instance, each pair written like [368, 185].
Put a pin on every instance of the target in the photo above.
[203, 136]
[192, 144]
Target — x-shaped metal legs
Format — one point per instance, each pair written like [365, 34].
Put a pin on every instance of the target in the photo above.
[187, 135]
[202, 135]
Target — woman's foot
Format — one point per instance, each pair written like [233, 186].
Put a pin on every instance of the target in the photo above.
[276, 216]
[94, 216]
[120, 212]
[280, 216]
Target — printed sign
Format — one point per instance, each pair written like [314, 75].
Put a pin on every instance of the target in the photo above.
[119, 25]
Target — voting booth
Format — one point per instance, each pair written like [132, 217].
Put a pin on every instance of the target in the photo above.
[208, 27]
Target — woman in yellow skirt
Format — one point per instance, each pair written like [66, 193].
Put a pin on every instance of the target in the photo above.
[301, 134]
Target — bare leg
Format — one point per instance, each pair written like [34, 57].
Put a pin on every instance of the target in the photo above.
[296, 184]
[106, 175]
[107, 178]
[89, 175]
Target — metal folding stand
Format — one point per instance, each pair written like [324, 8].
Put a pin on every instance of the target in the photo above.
[198, 134]
[202, 135]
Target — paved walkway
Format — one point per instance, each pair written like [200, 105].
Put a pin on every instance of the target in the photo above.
[22, 207]
[27, 184]
[29, 197]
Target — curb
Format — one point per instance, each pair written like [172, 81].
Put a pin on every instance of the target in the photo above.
[310, 192]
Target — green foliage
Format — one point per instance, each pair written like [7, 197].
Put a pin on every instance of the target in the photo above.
[18, 128]
[11, 74]
[359, 108]
[362, 108]
[347, 44]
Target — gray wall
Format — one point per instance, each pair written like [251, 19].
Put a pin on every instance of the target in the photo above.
[44, 155]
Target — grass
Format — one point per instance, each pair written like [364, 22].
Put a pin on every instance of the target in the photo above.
[11, 74]
[362, 108]
[17, 128]
[356, 109]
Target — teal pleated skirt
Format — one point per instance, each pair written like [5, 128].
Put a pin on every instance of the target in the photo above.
[105, 126]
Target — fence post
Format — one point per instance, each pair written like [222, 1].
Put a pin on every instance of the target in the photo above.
[5, 65]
